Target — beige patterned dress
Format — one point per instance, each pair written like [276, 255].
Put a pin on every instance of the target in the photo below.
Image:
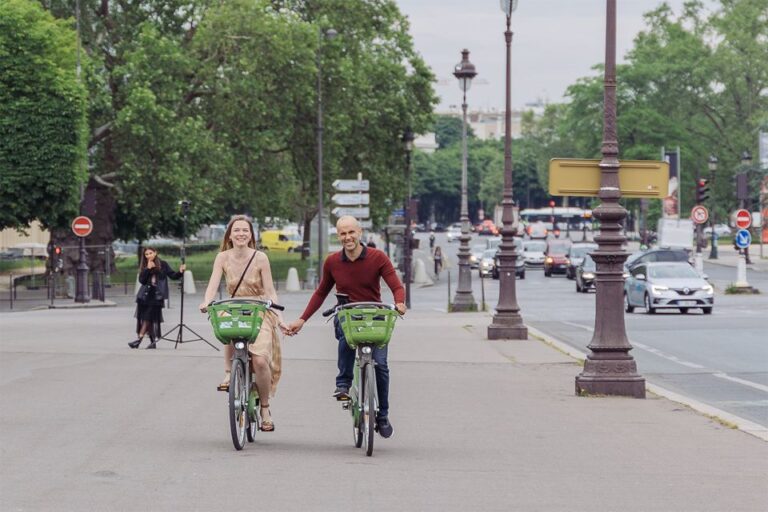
[267, 343]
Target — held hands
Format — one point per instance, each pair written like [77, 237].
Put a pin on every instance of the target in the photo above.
[293, 328]
[400, 307]
[183, 268]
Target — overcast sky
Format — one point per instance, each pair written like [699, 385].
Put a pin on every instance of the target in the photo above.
[555, 42]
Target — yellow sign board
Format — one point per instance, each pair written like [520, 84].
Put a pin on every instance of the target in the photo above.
[637, 178]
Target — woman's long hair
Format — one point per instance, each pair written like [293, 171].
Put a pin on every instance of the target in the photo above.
[143, 262]
[226, 243]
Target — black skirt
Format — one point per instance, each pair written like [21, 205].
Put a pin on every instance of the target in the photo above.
[152, 313]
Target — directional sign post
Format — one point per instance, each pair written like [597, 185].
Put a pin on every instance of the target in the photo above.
[351, 199]
[351, 185]
[354, 202]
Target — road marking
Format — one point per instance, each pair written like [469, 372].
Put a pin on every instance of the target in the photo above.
[749, 383]
[688, 364]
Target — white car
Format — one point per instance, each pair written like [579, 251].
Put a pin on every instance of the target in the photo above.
[720, 230]
[667, 285]
[533, 253]
[453, 232]
[475, 255]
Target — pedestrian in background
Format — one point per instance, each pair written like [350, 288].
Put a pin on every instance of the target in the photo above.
[431, 240]
[150, 301]
[438, 257]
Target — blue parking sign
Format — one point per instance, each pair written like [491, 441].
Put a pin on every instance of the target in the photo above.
[743, 239]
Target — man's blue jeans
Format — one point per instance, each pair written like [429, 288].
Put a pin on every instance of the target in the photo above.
[346, 363]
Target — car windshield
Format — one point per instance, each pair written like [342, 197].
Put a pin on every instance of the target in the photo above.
[534, 247]
[671, 256]
[558, 248]
[478, 249]
[589, 264]
[671, 271]
[581, 250]
[489, 254]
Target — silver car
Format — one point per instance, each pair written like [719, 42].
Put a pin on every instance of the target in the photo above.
[486, 262]
[667, 285]
[475, 255]
[533, 253]
[453, 232]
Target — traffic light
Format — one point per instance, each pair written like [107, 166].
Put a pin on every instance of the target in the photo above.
[702, 191]
[551, 204]
[58, 261]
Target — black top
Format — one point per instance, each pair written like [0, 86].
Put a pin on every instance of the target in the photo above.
[161, 273]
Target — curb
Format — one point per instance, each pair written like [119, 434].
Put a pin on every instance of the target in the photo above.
[86, 305]
[742, 424]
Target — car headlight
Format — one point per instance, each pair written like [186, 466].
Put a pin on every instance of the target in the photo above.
[549, 260]
[588, 275]
[472, 258]
[655, 288]
[707, 289]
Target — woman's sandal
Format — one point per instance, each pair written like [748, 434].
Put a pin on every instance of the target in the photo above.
[267, 426]
[224, 386]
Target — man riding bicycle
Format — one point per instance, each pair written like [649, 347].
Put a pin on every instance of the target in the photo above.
[356, 271]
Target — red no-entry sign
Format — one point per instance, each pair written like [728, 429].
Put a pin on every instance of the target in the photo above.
[82, 226]
[743, 219]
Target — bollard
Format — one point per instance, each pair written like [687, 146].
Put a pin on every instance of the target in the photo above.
[10, 290]
[449, 290]
[482, 293]
[292, 280]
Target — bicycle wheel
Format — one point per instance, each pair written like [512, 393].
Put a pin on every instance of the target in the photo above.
[369, 408]
[357, 410]
[238, 396]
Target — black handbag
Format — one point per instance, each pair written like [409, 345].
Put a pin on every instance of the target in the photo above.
[149, 294]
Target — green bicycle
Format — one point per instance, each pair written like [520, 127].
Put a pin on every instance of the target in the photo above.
[366, 325]
[238, 321]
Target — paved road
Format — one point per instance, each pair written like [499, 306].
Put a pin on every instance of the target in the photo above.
[720, 360]
[89, 424]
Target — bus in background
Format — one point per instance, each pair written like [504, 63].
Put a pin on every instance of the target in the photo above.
[565, 218]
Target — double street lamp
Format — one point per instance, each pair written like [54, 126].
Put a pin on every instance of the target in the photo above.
[507, 321]
[463, 300]
[321, 34]
[712, 164]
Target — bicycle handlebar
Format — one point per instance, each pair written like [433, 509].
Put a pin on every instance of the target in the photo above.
[268, 303]
[355, 305]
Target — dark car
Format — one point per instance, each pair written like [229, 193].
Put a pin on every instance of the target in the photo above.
[576, 255]
[585, 274]
[662, 254]
[556, 257]
[519, 263]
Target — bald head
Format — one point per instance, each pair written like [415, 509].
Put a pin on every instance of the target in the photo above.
[347, 221]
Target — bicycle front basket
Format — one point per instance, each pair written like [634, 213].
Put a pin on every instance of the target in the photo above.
[367, 325]
[233, 321]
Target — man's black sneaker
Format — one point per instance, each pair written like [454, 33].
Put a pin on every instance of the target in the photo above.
[384, 427]
[341, 394]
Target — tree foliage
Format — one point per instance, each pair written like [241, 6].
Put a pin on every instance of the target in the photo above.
[42, 117]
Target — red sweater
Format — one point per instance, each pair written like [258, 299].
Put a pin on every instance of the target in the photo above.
[359, 279]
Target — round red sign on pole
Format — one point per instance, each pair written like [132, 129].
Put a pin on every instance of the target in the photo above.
[743, 219]
[699, 214]
[82, 226]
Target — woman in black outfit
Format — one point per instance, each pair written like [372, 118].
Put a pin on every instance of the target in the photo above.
[153, 275]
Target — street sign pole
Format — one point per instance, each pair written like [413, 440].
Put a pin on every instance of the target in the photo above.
[82, 227]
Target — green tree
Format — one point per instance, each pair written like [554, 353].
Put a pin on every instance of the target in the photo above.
[42, 117]
[448, 130]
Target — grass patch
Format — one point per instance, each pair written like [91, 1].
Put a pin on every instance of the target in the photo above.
[20, 266]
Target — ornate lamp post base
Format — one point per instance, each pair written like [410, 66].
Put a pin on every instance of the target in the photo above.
[615, 376]
[507, 328]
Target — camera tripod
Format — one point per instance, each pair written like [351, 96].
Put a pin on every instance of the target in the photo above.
[181, 325]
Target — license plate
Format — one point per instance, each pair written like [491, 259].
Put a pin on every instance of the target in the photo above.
[687, 302]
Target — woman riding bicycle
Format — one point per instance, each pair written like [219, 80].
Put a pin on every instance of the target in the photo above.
[248, 275]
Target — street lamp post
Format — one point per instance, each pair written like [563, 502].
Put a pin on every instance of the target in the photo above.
[408, 146]
[609, 368]
[712, 164]
[463, 300]
[327, 34]
[507, 321]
